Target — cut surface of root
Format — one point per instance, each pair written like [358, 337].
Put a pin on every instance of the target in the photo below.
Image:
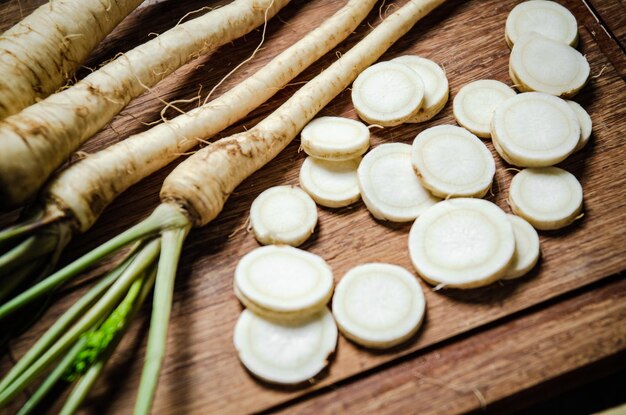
[378, 305]
[451, 161]
[436, 88]
[387, 93]
[475, 103]
[543, 65]
[462, 243]
[283, 215]
[534, 130]
[389, 187]
[526, 248]
[285, 353]
[546, 18]
[584, 120]
[331, 184]
[335, 138]
[548, 198]
[283, 283]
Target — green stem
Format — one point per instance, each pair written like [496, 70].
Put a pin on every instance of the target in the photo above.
[110, 299]
[36, 220]
[65, 321]
[52, 379]
[143, 229]
[7, 287]
[171, 246]
[84, 385]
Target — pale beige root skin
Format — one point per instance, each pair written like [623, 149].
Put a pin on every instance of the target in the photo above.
[548, 198]
[40, 138]
[91, 184]
[203, 182]
[41, 52]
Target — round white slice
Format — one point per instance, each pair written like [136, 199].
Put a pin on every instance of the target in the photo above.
[586, 125]
[548, 198]
[285, 353]
[335, 138]
[526, 248]
[474, 104]
[544, 65]
[534, 130]
[451, 161]
[282, 282]
[436, 89]
[283, 215]
[378, 305]
[331, 184]
[462, 243]
[387, 93]
[389, 187]
[546, 18]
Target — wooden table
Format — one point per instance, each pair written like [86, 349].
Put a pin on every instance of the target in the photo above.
[501, 347]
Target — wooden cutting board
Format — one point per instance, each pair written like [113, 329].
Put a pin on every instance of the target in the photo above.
[202, 373]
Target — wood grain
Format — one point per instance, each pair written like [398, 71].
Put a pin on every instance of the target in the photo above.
[202, 373]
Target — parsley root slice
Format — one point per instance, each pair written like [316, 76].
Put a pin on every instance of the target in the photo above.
[378, 305]
[452, 162]
[195, 192]
[462, 243]
[285, 353]
[283, 283]
[332, 184]
[436, 88]
[474, 104]
[584, 120]
[526, 248]
[389, 187]
[387, 94]
[543, 65]
[534, 130]
[548, 198]
[283, 215]
[41, 52]
[335, 138]
[547, 18]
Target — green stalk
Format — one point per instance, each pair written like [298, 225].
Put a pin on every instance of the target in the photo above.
[110, 299]
[171, 246]
[143, 229]
[65, 321]
[84, 385]
[52, 379]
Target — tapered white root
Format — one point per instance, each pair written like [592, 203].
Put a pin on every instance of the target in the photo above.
[387, 94]
[40, 138]
[462, 243]
[285, 353]
[389, 186]
[451, 161]
[87, 187]
[203, 182]
[331, 184]
[283, 215]
[586, 125]
[546, 18]
[283, 283]
[436, 88]
[526, 248]
[41, 52]
[335, 138]
[379, 305]
[548, 198]
[534, 130]
[543, 65]
[475, 103]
